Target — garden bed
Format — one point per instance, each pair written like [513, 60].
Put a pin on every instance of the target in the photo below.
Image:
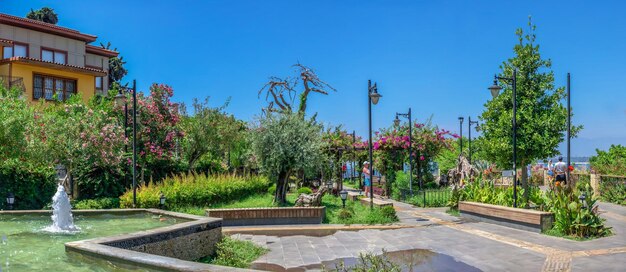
[511, 217]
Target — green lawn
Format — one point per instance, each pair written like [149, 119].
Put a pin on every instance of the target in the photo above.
[355, 212]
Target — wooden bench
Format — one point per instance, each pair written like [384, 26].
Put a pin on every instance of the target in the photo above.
[377, 202]
[354, 196]
[524, 219]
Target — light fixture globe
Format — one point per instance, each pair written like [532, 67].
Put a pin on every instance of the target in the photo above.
[61, 171]
[374, 95]
[396, 121]
[343, 194]
[10, 199]
[495, 89]
[119, 100]
[162, 199]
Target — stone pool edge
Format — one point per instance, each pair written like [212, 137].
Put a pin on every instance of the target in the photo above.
[182, 234]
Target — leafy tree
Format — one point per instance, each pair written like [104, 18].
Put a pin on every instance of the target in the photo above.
[45, 14]
[612, 162]
[285, 143]
[116, 67]
[541, 116]
[210, 132]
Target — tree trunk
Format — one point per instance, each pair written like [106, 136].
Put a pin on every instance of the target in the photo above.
[525, 183]
[281, 187]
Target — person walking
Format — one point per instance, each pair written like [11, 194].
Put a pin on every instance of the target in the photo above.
[550, 171]
[368, 177]
[560, 169]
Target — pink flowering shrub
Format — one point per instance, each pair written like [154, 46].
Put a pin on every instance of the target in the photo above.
[158, 135]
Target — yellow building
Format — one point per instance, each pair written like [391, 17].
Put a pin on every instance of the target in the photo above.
[51, 62]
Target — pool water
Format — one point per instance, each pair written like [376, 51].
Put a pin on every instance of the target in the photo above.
[24, 246]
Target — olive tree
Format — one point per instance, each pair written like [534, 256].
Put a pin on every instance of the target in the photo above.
[283, 143]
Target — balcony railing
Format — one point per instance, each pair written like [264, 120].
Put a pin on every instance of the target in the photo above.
[12, 82]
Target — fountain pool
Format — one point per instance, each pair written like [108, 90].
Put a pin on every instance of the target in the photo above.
[26, 246]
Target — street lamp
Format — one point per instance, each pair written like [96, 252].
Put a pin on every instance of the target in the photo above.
[461, 135]
[495, 91]
[469, 131]
[120, 99]
[344, 195]
[373, 96]
[162, 200]
[329, 185]
[10, 200]
[397, 122]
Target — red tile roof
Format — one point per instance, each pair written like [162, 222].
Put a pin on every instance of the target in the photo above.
[45, 27]
[75, 68]
[100, 51]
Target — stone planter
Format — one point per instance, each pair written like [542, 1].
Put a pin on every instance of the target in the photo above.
[269, 216]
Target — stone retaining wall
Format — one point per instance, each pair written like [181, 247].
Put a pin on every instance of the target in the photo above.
[269, 216]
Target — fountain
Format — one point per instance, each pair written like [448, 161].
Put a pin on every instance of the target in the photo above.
[62, 219]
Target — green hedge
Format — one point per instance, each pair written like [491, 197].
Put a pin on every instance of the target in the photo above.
[196, 190]
[32, 186]
[98, 203]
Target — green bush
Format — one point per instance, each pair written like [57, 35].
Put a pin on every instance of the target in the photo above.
[272, 189]
[32, 185]
[98, 203]
[196, 190]
[345, 214]
[572, 216]
[614, 192]
[235, 253]
[305, 190]
[612, 162]
[389, 212]
[432, 198]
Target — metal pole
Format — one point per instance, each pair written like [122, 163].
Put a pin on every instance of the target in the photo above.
[369, 109]
[354, 157]
[469, 138]
[410, 154]
[461, 134]
[134, 143]
[569, 126]
[514, 136]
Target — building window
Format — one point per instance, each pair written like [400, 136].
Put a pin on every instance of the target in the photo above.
[17, 50]
[47, 87]
[54, 56]
[99, 83]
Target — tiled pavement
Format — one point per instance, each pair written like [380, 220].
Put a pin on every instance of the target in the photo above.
[485, 246]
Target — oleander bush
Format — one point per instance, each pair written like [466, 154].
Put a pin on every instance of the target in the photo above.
[196, 190]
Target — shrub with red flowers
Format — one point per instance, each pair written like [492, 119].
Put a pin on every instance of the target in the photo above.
[392, 145]
[158, 136]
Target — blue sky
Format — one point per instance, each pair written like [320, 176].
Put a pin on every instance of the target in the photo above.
[437, 57]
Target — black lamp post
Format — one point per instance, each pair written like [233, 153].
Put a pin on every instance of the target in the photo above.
[495, 91]
[373, 96]
[354, 158]
[469, 136]
[397, 122]
[461, 135]
[10, 200]
[162, 201]
[344, 195]
[582, 198]
[119, 99]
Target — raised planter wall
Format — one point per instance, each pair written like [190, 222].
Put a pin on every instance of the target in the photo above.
[269, 216]
[524, 219]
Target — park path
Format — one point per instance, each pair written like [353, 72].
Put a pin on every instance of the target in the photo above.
[479, 245]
